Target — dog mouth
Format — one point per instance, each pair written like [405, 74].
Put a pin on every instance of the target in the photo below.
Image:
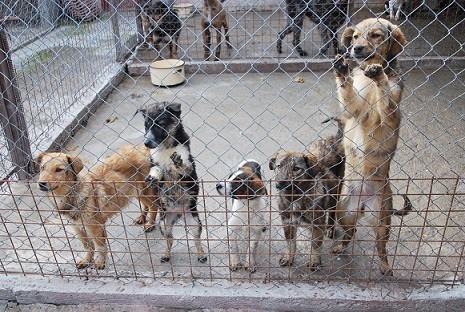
[44, 188]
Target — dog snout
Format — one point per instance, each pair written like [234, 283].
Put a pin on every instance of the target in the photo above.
[281, 185]
[358, 49]
[220, 188]
[150, 143]
[43, 186]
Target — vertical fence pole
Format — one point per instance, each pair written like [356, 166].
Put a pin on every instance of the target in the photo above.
[12, 115]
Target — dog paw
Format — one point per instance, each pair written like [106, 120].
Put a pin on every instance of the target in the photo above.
[373, 70]
[341, 65]
[151, 181]
[82, 264]
[284, 261]
[140, 219]
[99, 265]
[149, 226]
[339, 249]
[176, 158]
[251, 269]
[314, 266]
[301, 52]
[386, 271]
[202, 259]
[235, 266]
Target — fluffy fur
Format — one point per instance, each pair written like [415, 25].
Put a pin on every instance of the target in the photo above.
[248, 213]
[308, 189]
[90, 199]
[172, 171]
[329, 16]
[161, 24]
[214, 19]
[369, 95]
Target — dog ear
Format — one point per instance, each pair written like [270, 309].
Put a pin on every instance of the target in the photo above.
[38, 161]
[272, 163]
[141, 110]
[76, 163]
[346, 38]
[174, 108]
[312, 164]
[398, 41]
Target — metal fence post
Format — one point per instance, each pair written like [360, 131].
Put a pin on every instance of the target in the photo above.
[12, 115]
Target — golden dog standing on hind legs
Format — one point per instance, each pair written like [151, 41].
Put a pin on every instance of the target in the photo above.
[369, 95]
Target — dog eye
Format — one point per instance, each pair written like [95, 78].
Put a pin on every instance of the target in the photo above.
[355, 36]
[296, 169]
[59, 169]
[375, 36]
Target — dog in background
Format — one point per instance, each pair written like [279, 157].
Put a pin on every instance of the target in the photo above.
[369, 95]
[308, 190]
[90, 199]
[172, 171]
[395, 8]
[248, 217]
[161, 24]
[328, 15]
[214, 19]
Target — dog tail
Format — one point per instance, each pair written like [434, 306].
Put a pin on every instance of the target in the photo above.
[340, 128]
[406, 209]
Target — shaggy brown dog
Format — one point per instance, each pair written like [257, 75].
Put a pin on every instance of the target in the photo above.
[308, 189]
[90, 199]
[214, 18]
[369, 95]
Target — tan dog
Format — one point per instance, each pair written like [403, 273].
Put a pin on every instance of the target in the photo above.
[369, 96]
[90, 199]
[214, 18]
[308, 188]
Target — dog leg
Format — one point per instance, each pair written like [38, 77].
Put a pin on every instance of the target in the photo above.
[317, 232]
[299, 23]
[382, 230]
[281, 36]
[88, 245]
[255, 236]
[219, 37]
[99, 236]
[226, 35]
[150, 209]
[197, 225]
[206, 43]
[167, 231]
[234, 260]
[324, 33]
[290, 232]
[347, 221]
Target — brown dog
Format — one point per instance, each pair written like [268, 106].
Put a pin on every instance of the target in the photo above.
[308, 189]
[90, 199]
[214, 17]
[369, 95]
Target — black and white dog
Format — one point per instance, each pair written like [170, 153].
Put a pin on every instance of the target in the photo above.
[161, 24]
[328, 15]
[172, 171]
[248, 217]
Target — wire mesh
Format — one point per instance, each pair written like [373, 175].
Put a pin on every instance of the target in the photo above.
[63, 67]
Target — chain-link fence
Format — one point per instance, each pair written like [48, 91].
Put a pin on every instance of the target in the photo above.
[251, 102]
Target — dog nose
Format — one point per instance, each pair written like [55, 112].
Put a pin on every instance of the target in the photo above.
[43, 186]
[281, 185]
[358, 49]
[149, 144]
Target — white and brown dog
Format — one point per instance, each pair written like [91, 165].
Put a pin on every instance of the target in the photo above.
[248, 217]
